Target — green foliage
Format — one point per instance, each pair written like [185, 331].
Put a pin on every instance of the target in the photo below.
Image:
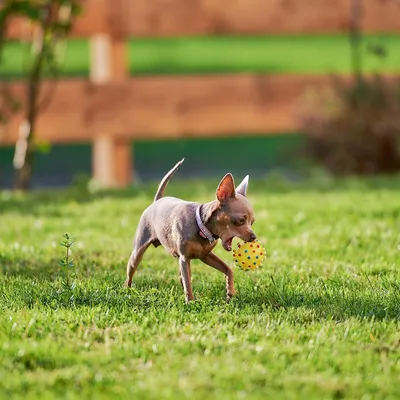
[33, 10]
[320, 320]
[23, 8]
[66, 263]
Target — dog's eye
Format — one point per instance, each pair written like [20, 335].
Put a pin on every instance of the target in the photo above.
[240, 221]
[252, 222]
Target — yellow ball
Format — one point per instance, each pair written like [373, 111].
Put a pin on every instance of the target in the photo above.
[249, 255]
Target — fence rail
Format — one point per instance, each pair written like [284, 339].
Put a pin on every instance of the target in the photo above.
[111, 108]
[168, 107]
[155, 18]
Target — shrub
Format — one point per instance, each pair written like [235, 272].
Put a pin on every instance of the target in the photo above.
[354, 127]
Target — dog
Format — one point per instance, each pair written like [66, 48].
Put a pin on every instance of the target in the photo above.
[190, 230]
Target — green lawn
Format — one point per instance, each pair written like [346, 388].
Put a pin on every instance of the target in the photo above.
[319, 321]
[272, 54]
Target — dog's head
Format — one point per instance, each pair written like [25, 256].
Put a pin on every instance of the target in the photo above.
[235, 215]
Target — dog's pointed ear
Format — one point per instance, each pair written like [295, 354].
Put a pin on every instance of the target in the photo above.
[242, 188]
[226, 189]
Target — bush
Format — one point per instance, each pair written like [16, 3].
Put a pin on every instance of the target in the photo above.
[354, 128]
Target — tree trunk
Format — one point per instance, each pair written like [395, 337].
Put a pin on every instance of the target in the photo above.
[24, 149]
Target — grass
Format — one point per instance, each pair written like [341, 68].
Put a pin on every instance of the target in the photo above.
[320, 320]
[269, 54]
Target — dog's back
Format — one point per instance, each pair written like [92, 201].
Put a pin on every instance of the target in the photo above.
[172, 221]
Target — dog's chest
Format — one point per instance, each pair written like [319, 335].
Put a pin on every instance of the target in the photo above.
[194, 249]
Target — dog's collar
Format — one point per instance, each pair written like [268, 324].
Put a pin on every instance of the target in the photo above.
[204, 232]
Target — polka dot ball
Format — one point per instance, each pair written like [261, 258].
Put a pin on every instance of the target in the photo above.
[249, 255]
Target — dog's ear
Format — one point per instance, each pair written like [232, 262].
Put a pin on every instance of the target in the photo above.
[242, 188]
[226, 189]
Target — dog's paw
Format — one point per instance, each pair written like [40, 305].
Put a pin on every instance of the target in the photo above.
[190, 299]
[229, 296]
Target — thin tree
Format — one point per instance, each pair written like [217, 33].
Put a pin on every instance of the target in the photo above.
[355, 37]
[52, 21]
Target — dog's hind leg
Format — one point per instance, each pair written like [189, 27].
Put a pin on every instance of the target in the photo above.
[142, 241]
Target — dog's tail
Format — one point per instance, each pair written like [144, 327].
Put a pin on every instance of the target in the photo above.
[166, 179]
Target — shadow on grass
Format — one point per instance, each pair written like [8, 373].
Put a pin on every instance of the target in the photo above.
[339, 302]
[41, 271]
[51, 202]
[304, 301]
[336, 306]
[29, 268]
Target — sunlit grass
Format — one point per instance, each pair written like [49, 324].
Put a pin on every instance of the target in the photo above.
[198, 55]
[320, 320]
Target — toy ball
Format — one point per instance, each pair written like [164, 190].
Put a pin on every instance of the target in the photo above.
[249, 255]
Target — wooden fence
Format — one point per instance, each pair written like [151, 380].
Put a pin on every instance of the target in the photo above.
[111, 109]
[152, 18]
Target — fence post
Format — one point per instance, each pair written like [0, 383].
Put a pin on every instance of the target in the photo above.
[111, 156]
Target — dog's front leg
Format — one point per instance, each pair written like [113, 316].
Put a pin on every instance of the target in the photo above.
[213, 261]
[190, 275]
[184, 266]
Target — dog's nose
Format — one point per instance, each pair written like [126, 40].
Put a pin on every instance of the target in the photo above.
[253, 237]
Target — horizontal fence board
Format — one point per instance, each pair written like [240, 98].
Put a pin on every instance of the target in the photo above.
[158, 18]
[168, 107]
[213, 17]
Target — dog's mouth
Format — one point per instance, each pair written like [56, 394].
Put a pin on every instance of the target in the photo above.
[227, 244]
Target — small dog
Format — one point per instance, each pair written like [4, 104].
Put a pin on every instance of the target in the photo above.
[190, 230]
